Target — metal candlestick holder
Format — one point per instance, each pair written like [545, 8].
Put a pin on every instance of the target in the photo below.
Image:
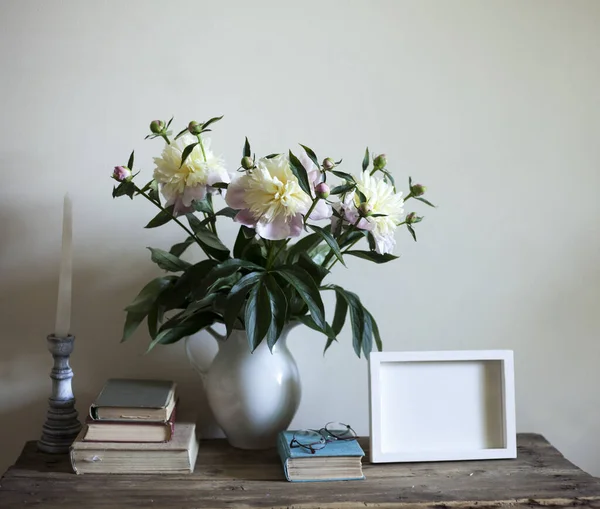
[62, 424]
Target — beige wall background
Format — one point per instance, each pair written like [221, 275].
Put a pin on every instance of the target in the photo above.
[494, 105]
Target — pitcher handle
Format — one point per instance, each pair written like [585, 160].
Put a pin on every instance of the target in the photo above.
[202, 370]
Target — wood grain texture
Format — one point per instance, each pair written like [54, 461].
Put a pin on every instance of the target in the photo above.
[231, 478]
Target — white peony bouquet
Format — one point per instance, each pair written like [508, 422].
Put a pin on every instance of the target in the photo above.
[294, 227]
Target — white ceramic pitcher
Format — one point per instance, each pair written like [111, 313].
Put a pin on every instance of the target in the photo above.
[254, 395]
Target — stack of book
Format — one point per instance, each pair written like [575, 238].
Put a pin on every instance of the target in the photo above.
[132, 428]
[337, 461]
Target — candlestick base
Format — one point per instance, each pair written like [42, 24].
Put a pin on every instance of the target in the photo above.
[62, 424]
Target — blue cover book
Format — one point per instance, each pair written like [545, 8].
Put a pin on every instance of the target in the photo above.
[337, 461]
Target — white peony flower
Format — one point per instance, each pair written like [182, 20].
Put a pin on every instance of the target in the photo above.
[381, 199]
[181, 186]
[270, 199]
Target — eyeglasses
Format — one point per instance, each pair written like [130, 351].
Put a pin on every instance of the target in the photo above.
[313, 440]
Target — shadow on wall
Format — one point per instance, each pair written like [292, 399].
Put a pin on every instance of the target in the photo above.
[28, 303]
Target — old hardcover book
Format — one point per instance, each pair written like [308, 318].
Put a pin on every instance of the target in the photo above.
[177, 456]
[129, 431]
[123, 399]
[337, 461]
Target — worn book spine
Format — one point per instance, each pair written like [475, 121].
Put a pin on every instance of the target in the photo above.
[169, 425]
[133, 394]
[346, 448]
[283, 454]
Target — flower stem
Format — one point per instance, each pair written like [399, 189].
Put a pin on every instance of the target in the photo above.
[343, 252]
[310, 210]
[340, 241]
[213, 218]
[189, 232]
[201, 147]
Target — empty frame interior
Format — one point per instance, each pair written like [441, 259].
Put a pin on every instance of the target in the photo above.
[441, 407]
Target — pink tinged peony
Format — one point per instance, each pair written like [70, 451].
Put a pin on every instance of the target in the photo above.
[384, 207]
[270, 199]
[121, 173]
[182, 184]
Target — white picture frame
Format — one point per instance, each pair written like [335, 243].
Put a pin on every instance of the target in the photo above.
[442, 406]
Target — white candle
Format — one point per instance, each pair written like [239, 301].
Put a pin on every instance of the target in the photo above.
[63, 307]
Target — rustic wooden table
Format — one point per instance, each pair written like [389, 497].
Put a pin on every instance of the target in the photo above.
[229, 478]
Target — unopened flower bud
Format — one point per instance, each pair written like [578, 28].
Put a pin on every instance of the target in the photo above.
[121, 173]
[194, 127]
[380, 161]
[328, 163]
[322, 190]
[247, 163]
[411, 218]
[365, 210]
[157, 126]
[418, 190]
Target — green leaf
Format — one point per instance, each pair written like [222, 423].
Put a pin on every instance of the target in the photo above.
[237, 297]
[361, 196]
[247, 152]
[375, 328]
[153, 191]
[186, 152]
[163, 217]
[424, 201]
[258, 315]
[300, 172]
[149, 294]
[278, 306]
[343, 175]
[241, 241]
[155, 316]
[409, 182]
[311, 155]
[271, 156]
[308, 291]
[132, 321]
[130, 162]
[304, 245]
[367, 334]
[331, 242]
[344, 188]
[167, 261]
[372, 256]
[309, 322]
[201, 206]
[224, 283]
[177, 296]
[224, 269]
[316, 271]
[181, 133]
[227, 212]
[339, 317]
[352, 237]
[202, 304]
[372, 242]
[211, 121]
[176, 328]
[125, 188]
[390, 178]
[365, 163]
[169, 122]
[412, 232]
[210, 243]
[179, 249]
[319, 253]
[357, 317]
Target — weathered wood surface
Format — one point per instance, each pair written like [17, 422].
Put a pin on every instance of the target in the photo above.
[230, 478]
